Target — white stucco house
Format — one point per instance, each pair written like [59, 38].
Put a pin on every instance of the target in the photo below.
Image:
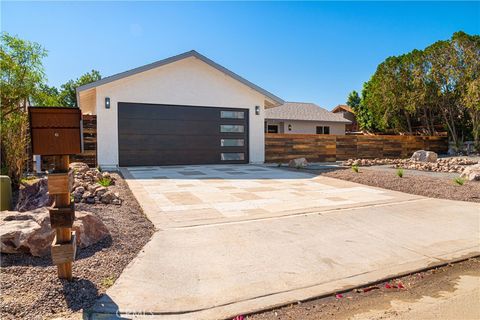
[303, 118]
[186, 109]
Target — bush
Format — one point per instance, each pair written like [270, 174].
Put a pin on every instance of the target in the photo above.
[15, 142]
[459, 180]
[400, 173]
[105, 182]
[355, 168]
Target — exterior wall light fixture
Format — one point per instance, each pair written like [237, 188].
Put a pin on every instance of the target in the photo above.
[289, 127]
[107, 103]
[257, 110]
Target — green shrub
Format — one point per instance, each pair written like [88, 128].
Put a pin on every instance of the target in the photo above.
[108, 281]
[105, 182]
[355, 168]
[400, 173]
[459, 180]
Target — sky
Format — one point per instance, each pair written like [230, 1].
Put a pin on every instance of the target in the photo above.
[300, 51]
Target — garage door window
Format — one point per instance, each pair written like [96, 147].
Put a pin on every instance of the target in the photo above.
[232, 114]
[232, 142]
[232, 156]
[232, 128]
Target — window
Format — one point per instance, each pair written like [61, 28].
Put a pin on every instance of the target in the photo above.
[232, 142]
[323, 130]
[232, 128]
[232, 114]
[272, 129]
[232, 156]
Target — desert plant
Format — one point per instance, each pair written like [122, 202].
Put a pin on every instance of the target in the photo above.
[15, 141]
[355, 168]
[459, 180]
[108, 281]
[105, 182]
[400, 173]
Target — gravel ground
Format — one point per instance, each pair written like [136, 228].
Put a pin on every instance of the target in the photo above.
[434, 187]
[30, 288]
[377, 297]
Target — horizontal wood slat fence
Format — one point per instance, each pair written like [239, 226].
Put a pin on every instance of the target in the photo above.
[89, 154]
[322, 148]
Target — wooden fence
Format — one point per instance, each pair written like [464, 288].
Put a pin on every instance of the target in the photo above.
[322, 148]
[89, 154]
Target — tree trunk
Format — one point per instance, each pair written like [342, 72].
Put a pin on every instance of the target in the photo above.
[409, 124]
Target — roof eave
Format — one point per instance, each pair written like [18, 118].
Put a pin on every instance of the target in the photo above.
[181, 56]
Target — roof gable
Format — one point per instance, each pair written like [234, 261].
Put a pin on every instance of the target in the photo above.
[342, 107]
[185, 55]
[303, 111]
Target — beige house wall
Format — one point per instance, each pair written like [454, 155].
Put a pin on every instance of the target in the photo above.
[307, 127]
[185, 82]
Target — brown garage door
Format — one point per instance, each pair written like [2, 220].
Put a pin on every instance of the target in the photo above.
[153, 134]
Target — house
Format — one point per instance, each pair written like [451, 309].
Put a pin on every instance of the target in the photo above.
[348, 114]
[186, 109]
[303, 118]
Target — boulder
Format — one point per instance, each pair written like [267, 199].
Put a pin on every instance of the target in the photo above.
[79, 167]
[108, 197]
[30, 231]
[471, 173]
[298, 163]
[33, 196]
[100, 191]
[424, 156]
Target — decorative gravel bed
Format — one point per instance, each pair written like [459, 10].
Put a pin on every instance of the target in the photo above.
[435, 187]
[30, 288]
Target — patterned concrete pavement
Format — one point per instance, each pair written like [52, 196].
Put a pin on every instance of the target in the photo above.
[238, 239]
[192, 195]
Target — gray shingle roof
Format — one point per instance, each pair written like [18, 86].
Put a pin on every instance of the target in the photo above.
[303, 111]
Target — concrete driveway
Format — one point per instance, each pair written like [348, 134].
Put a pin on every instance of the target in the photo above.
[236, 239]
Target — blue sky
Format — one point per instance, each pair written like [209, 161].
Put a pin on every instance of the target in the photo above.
[304, 51]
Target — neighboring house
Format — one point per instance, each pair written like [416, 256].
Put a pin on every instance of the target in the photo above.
[186, 109]
[348, 114]
[303, 118]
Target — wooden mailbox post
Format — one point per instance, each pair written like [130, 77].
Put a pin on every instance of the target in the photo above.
[56, 131]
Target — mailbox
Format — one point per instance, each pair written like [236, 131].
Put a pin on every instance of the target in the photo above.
[55, 130]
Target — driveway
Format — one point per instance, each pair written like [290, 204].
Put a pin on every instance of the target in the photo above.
[236, 239]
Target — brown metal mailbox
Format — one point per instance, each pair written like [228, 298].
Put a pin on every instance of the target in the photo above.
[55, 130]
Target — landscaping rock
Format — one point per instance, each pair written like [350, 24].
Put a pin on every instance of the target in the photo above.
[424, 156]
[455, 165]
[33, 196]
[108, 197]
[89, 178]
[298, 163]
[79, 167]
[472, 173]
[30, 231]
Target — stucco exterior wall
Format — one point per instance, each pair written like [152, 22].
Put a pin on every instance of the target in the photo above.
[307, 127]
[185, 82]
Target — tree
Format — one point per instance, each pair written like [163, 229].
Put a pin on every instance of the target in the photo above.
[46, 96]
[467, 69]
[68, 93]
[365, 117]
[437, 86]
[21, 75]
[353, 100]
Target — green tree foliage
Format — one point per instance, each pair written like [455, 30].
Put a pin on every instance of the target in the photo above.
[21, 76]
[68, 94]
[353, 100]
[427, 89]
[21, 73]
